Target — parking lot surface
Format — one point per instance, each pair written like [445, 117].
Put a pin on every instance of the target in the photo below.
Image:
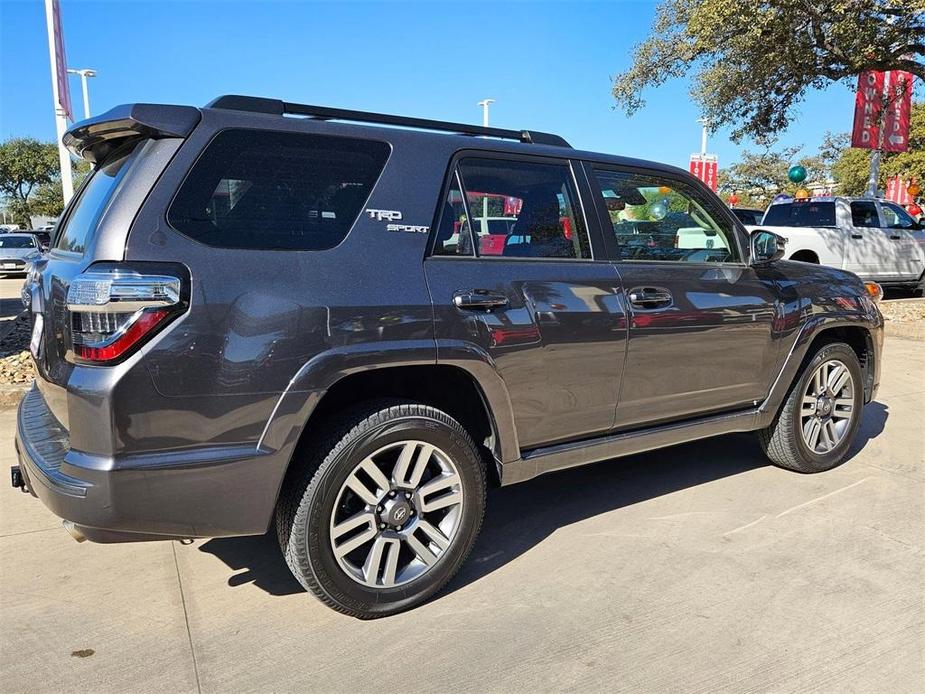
[698, 569]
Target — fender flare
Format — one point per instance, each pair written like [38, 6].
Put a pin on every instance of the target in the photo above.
[308, 386]
[811, 329]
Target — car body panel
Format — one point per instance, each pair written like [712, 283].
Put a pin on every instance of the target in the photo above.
[192, 434]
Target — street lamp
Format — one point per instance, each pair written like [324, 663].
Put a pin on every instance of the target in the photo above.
[705, 122]
[84, 74]
[484, 104]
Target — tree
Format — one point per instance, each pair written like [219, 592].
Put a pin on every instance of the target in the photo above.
[754, 60]
[25, 165]
[30, 182]
[758, 176]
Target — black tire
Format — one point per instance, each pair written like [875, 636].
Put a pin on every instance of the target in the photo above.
[308, 498]
[783, 441]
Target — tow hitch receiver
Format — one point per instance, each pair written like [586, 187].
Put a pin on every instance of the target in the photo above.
[16, 478]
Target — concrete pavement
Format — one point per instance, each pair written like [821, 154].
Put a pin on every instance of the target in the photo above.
[697, 569]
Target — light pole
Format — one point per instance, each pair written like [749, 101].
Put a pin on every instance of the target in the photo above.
[484, 103]
[84, 74]
[705, 122]
[58, 79]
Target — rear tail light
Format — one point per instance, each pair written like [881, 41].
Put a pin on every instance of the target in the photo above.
[115, 311]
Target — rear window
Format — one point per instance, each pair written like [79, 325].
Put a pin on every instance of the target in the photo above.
[82, 220]
[277, 191]
[801, 214]
[17, 242]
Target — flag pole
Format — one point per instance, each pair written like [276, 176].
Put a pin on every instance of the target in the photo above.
[64, 157]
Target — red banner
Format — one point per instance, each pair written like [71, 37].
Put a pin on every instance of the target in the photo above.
[710, 174]
[897, 190]
[899, 106]
[867, 104]
[706, 168]
[697, 167]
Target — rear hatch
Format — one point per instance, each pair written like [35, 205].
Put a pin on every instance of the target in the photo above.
[129, 146]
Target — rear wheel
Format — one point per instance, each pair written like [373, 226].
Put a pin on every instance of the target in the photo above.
[819, 420]
[387, 511]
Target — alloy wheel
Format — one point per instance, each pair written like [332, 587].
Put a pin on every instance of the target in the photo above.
[827, 408]
[396, 514]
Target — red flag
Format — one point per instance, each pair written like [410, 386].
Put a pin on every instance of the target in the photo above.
[899, 106]
[867, 104]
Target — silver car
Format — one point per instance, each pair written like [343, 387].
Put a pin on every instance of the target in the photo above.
[17, 251]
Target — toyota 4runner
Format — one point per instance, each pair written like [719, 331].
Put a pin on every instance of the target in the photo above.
[251, 317]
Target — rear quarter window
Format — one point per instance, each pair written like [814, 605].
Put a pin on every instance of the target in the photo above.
[801, 214]
[277, 191]
[82, 220]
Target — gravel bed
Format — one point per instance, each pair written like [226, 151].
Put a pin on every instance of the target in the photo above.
[15, 362]
[903, 310]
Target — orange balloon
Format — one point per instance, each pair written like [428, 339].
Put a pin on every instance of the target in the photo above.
[664, 190]
[802, 194]
[913, 189]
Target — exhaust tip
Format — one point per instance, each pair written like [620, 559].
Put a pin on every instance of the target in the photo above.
[73, 531]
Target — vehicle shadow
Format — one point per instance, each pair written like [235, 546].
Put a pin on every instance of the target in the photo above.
[520, 517]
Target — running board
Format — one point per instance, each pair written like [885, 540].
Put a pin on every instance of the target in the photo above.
[562, 456]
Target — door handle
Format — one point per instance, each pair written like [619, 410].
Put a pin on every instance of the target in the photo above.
[857, 236]
[479, 299]
[896, 237]
[648, 298]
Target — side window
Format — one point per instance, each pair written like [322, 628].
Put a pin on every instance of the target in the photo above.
[261, 189]
[655, 219]
[896, 217]
[82, 220]
[454, 236]
[864, 214]
[522, 209]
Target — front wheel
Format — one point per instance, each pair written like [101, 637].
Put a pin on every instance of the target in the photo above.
[387, 511]
[817, 424]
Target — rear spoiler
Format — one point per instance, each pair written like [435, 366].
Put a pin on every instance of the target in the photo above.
[93, 139]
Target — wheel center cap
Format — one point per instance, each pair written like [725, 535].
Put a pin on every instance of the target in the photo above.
[824, 406]
[396, 512]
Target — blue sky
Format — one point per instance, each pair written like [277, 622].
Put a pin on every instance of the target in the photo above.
[547, 65]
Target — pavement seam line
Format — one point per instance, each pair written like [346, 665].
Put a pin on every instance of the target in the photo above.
[820, 498]
[30, 532]
[189, 634]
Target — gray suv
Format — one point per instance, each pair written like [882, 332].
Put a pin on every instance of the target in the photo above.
[261, 315]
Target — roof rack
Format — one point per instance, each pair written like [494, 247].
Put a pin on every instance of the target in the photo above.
[277, 107]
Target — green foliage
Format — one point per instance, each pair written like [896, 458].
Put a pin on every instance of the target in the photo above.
[754, 60]
[29, 179]
[25, 165]
[758, 176]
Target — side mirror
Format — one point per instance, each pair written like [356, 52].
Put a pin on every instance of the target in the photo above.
[766, 246]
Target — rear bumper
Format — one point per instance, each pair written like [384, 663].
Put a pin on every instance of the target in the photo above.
[206, 492]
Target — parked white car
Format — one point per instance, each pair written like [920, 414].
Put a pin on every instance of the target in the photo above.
[875, 239]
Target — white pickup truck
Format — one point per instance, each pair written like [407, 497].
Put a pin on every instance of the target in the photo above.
[875, 239]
